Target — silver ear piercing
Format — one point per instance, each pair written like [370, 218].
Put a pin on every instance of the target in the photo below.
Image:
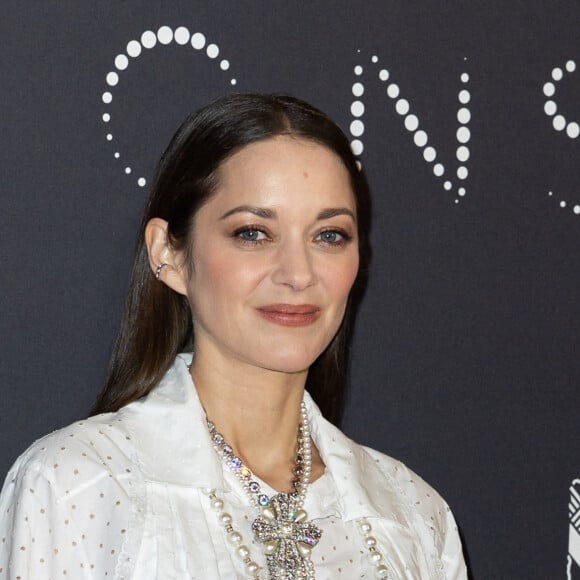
[158, 270]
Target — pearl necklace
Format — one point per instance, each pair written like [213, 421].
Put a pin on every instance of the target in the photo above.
[281, 525]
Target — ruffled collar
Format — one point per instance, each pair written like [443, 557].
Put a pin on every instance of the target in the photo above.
[174, 447]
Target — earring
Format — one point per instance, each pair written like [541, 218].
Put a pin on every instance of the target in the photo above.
[158, 270]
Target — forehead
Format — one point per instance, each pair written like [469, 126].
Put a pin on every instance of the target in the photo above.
[286, 168]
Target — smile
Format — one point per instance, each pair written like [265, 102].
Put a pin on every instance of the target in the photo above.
[290, 314]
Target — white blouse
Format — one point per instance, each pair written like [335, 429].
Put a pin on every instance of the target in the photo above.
[121, 496]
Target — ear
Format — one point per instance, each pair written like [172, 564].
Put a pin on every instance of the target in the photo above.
[174, 273]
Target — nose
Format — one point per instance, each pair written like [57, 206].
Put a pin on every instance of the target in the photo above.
[294, 266]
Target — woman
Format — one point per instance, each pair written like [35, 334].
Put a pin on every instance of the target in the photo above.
[219, 464]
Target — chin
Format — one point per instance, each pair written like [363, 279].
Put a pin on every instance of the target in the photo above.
[291, 363]
[288, 367]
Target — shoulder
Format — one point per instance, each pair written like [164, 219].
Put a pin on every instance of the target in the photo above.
[86, 451]
[428, 512]
[385, 484]
[71, 498]
[395, 497]
[417, 493]
[378, 474]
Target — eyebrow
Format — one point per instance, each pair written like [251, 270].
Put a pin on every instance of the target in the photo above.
[258, 211]
[270, 214]
[334, 211]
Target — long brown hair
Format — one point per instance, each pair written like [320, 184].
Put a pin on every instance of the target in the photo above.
[157, 323]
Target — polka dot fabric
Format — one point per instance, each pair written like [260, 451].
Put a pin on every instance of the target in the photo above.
[66, 507]
[121, 496]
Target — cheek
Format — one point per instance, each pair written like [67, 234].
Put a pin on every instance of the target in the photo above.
[354, 266]
[341, 277]
[220, 277]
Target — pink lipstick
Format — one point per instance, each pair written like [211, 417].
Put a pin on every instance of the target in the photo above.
[290, 314]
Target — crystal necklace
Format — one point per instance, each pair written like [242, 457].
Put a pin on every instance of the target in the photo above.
[281, 525]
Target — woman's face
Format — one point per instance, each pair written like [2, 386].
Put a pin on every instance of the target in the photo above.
[275, 253]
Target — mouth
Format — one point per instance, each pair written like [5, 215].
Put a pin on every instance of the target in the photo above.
[290, 314]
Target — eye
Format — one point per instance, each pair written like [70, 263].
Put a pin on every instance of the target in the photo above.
[250, 235]
[333, 237]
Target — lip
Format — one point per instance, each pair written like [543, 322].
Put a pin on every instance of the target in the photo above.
[290, 314]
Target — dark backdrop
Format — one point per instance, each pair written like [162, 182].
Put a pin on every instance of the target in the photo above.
[465, 361]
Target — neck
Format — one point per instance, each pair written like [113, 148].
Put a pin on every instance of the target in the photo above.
[256, 410]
